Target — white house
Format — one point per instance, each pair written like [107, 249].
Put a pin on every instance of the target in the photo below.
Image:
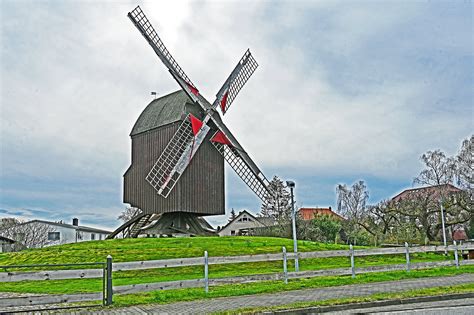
[62, 233]
[242, 223]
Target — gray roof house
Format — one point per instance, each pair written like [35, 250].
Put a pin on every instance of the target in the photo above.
[61, 233]
[243, 222]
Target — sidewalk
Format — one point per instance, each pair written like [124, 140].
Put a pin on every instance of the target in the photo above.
[287, 297]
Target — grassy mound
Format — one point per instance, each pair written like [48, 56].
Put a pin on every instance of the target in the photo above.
[123, 250]
[157, 248]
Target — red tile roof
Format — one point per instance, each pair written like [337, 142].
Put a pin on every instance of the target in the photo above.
[435, 190]
[311, 213]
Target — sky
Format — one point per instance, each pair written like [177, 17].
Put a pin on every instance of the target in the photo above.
[345, 91]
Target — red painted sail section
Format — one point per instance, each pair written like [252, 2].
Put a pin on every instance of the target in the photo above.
[193, 89]
[219, 137]
[224, 101]
[195, 123]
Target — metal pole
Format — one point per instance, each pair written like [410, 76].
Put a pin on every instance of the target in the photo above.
[109, 289]
[293, 223]
[285, 268]
[456, 257]
[206, 272]
[407, 255]
[351, 250]
[444, 229]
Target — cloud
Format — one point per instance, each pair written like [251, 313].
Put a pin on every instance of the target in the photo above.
[343, 91]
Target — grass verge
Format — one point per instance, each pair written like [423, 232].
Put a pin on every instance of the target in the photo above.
[170, 296]
[444, 290]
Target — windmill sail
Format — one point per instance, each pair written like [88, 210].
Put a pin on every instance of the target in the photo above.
[236, 80]
[142, 23]
[178, 153]
[240, 161]
[176, 156]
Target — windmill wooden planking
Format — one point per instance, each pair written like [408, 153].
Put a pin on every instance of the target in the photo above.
[179, 144]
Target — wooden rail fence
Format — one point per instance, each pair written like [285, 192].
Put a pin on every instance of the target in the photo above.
[351, 254]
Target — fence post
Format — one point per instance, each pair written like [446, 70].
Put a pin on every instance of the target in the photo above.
[108, 285]
[206, 272]
[351, 250]
[285, 267]
[456, 257]
[407, 255]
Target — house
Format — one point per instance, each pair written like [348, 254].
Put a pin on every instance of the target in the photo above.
[242, 223]
[56, 233]
[460, 235]
[311, 213]
[434, 192]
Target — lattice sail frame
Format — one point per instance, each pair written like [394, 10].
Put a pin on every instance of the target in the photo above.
[249, 65]
[237, 79]
[143, 24]
[232, 156]
[160, 175]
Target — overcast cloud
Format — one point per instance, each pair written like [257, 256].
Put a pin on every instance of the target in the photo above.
[344, 91]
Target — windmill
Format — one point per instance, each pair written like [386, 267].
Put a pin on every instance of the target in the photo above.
[179, 144]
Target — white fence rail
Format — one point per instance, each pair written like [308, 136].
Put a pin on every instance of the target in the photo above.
[205, 282]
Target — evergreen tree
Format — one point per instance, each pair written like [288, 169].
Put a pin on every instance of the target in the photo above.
[278, 202]
[232, 215]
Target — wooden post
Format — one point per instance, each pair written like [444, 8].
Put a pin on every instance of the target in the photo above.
[407, 255]
[456, 257]
[285, 267]
[108, 285]
[351, 251]
[206, 272]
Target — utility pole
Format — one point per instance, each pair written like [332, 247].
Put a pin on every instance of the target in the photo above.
[293, 223]
[442, 226]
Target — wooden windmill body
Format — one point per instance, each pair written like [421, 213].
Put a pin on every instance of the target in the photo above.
[179, 144]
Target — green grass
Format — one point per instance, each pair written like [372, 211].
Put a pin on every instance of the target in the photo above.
[169, 296]
[436, 291]
[152, 248]
[123, 250]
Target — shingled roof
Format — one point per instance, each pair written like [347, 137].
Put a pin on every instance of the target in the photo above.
[165, 110]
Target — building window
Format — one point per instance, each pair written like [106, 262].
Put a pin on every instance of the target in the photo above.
[100, 237]
[232, 232]
[53, 236]
[92, 236]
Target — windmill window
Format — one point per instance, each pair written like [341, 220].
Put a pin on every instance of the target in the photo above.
[53, 236]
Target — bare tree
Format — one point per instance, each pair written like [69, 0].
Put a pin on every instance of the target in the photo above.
[127, 214]
[278, 202]
[351, 203]
[31, 234]
[465, 165]
[439, 169]
[422, 208]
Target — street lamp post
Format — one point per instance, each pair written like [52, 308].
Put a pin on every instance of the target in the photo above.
[442, 225]
[293, 223]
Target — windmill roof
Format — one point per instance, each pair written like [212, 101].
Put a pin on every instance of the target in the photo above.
[165, 110]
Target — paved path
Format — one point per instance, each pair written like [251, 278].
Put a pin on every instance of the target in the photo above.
[287, 297]
[458, 307]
